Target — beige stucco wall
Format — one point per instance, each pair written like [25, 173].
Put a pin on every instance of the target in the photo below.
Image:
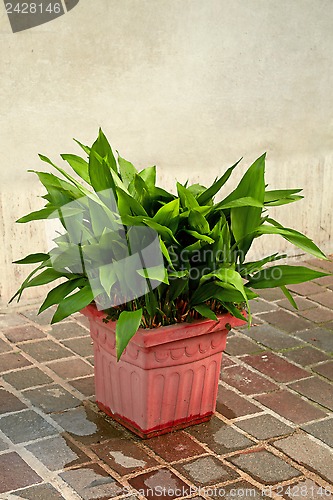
[190, 85]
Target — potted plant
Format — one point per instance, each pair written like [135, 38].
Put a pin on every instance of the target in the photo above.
[162, 277]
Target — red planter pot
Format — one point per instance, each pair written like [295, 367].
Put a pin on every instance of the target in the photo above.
[167, 378]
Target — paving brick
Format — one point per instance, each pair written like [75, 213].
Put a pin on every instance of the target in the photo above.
[275, 367]
[26, 426]
[227, 361]
[325, 369]
[206, 471]
[258, 306]
[220, 437]
[40, 492]
[265, 467]
[247, 381]
[271, 294]
[71, 368]
[239, 489]
[91, 360]
[175, 446]
[237, 345]
[286, 321]
[22, 333]
[316, 389]
[43, 319]
[325, 298]
[325, 281]
[87, 427]
[9, 402]
[67, 330]
[4, 347]
[318, 337]
[30, 377]
[124, 456]
[82, 346]
[45, 350]
[51, 398]
[9, 320]
[11, 361]
[306, 356]
[3, 445]
[231, 405]
[302, 303]
[318, 315]
[303, 488]
[84, 385]
[83, 320]
[327, 265]
[264, 427]
[92, 482]
[272, 337]
[160, 484]
[307, 289]
[15, 473]
[58, 453]
[322, 430]
[291, 406]
[312, 455]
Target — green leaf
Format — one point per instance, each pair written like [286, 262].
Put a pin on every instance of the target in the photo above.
[164, 231]
[283, 201]
[33, 258]
[244, 220]
[158, 273]
[65, 174]
[235, 311]
[281, 197]
[61, 291]
[126, 327]
[209, 193]
[277, 276]
[246, 201]
[149, 176]
[127, 170]
[187, 199]
[128, 205]
[294, 237]
[289, 296]
[99, 173]
[26, 281]
[228, 275]
[45, 277]
[73, 303]
[201, 237]
[205, 311]
[198, 222]
[102, 147]
[86, 149]
[177, 287]
[44, 213]
[79, 165]
[165, 252]
[196, 189]
[168, 215]
[256, 265]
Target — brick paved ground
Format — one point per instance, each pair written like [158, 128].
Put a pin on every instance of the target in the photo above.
[272, 434]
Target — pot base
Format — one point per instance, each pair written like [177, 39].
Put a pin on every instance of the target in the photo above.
[159, 430]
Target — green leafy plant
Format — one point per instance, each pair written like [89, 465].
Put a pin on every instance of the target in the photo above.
[204, 243]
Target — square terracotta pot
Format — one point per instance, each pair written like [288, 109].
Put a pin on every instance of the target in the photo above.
[166, 379]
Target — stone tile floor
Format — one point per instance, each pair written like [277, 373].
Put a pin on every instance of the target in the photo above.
[272, 435]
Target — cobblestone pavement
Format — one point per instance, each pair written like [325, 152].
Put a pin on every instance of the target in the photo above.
[272, 435]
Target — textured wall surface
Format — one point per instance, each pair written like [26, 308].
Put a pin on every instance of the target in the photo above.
[188, 85]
